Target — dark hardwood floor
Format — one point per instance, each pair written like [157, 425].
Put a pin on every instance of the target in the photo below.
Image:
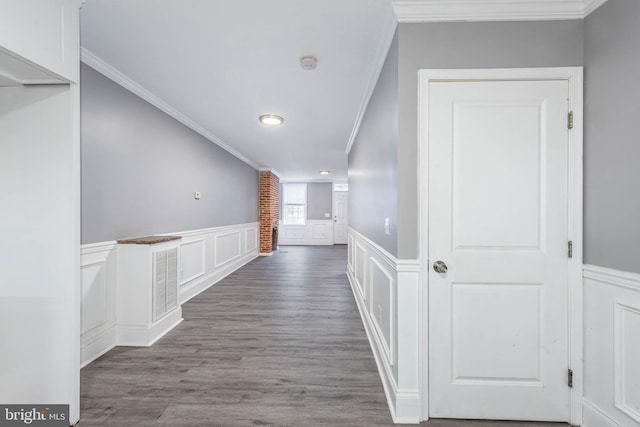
[279, 342]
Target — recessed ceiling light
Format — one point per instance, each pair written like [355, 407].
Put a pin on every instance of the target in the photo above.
[271, 120]
[325, 172]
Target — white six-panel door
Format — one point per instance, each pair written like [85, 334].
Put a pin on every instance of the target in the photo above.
[498, 220]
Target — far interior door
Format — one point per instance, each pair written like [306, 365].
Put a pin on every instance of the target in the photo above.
[340, 207]
[498, 215]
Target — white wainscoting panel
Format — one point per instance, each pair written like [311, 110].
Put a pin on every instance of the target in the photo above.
[98, 314]
[206, 256]
[350, 248]
[626, 350]
[314, 232]
[612, 348]
[386, 291]
[408, 301]
[192, 256]
[382, 305]
[227, 248]
[250, 239]
[94, 294]
[360, 270]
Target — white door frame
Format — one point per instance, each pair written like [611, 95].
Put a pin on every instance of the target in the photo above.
[333, 214]
[574, 77]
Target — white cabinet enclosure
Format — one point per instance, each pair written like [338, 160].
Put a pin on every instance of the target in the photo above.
[147, 289]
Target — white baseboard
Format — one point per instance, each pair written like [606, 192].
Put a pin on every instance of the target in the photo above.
[408, 407]
[99, 345]
[140, 336]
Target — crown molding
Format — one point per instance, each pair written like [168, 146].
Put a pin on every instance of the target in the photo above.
[273, 171]
[413, 11]
[123, 80]
[384, 43]
[591, 5]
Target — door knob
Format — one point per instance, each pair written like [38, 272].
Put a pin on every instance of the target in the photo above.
[440, 267]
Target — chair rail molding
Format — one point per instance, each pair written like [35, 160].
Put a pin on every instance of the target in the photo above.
[414, 11]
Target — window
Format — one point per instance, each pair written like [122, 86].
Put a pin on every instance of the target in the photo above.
[294, 204]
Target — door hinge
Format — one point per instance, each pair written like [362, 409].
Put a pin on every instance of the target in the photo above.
[570, 120]
[570, 248]
[570, 378]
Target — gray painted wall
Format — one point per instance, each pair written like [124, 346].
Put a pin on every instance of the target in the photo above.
[373, 174]
[140, 168]
[319, 200]
[612, 146]
[465, 45]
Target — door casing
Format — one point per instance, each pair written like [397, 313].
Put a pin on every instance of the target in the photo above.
[574, 77]
[335, 217]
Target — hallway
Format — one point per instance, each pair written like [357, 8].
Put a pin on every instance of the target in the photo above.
[279, 342]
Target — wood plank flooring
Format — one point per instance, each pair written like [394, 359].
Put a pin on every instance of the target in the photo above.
[279, 342]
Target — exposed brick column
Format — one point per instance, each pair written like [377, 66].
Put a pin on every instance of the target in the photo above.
[269, 209]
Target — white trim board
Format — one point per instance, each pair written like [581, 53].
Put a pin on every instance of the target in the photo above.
[591, 5]
[574, 76]
[128, 83]
[612, 277]
[273, 171]
[415, 11]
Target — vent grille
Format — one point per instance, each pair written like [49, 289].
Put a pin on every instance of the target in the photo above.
[165, 282]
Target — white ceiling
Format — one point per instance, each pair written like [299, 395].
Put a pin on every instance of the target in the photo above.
[220, 64]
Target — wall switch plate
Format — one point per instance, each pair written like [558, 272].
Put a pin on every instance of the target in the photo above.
[196, 195]
[387, 226]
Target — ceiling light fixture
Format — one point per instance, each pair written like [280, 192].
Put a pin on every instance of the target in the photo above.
[271, 120]
[325, 172]
[308, 62]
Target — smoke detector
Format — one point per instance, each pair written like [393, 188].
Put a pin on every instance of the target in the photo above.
[308, 62]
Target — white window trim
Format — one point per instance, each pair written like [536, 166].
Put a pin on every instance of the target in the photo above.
[285, 204]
